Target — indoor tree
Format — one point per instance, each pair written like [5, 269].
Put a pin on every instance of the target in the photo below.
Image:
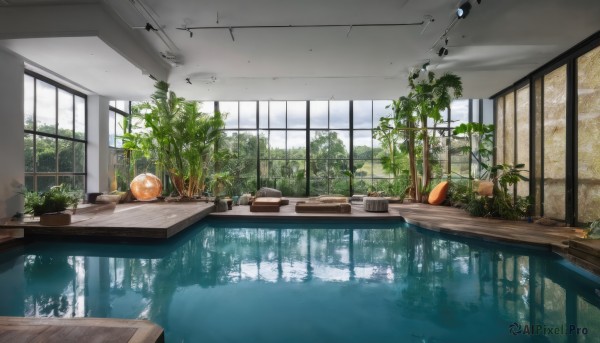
[179, 137]
[430, 96]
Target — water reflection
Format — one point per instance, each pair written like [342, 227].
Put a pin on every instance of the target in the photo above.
[304, 282]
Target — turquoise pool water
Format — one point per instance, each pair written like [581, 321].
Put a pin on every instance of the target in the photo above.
[235, 281]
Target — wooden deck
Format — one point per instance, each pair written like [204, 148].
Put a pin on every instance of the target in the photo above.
[135, 220]
[78, 330]
[443, 219]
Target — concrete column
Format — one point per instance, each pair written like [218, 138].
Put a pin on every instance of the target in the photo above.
[97, 145]
[12, 156]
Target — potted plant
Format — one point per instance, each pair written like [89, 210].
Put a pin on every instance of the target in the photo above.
[50, 205]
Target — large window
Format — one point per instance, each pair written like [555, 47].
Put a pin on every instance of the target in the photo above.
[307, 147]
[55, 134]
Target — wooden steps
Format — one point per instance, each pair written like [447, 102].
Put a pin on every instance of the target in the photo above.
[585, 253]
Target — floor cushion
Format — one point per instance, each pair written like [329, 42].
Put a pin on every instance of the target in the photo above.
[438, 194]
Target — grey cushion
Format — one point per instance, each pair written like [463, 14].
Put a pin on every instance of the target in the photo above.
[268, 192]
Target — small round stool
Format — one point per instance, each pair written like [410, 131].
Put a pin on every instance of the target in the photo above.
[375, 204]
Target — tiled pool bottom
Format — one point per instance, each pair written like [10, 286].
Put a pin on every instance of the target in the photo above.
[343, 281]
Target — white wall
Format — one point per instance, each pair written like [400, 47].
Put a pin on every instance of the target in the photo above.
[97, 146]
[12, 161]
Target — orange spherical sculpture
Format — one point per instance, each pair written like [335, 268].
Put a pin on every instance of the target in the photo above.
[146, 187]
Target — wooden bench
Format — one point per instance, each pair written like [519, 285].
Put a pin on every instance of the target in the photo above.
[265, 204]
[321, 207]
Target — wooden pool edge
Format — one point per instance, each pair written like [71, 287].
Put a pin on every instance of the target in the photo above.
[51, 330]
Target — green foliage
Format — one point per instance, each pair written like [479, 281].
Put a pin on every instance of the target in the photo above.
[460, 192]
[180, 138]
[57, 199]
[503, 204]
[484, 143]
[594, 230]
[479, 206]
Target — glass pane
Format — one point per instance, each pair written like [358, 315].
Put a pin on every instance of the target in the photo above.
[363, 169]
[296, 144]
[230, 109]
[509, 128]
[500, 130]
[123, 105]
[488, 111]
[362, 115]
[44, 183]
[65, 113]
[296, 114]
[65, 156]
[111, 128]
[112, 103]
[378, 171]
[29, 183]
[121, 126]
[277, 144]
[380, 110]
[339, 114]
[522, 136]
[29, 153]
[28, 95]
[263, 114]
[319, 114]
[459, 111]
[263, 139]
[339, 144]
[66, 180]
[79, 182]
[248, 145]
[277, 114]
[45, 107]
[318, 187]
[248, 114]
[555, 109]
[46, 154]
[588, 107]
[475, 108]
[79, 161]
[362, 186]
[362, 144]
[319, 144]
[79, 117]
[207, 107]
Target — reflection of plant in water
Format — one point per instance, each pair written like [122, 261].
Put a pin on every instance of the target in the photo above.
[47, 278]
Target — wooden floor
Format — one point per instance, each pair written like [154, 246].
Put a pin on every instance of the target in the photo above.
[78, 330]
[135, 220]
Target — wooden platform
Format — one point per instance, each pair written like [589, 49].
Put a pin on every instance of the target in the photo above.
[455, 221]
[585, 253]
[136, 220]
[78, 330]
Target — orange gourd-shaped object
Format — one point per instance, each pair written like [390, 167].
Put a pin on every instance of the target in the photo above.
[146, 187]
[438, 194]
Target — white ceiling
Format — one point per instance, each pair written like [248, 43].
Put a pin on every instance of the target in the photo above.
[498, 43]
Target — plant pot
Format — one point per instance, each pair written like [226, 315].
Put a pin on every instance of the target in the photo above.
[55, 219]
[91, 197]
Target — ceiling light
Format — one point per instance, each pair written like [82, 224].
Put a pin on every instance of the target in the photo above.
[188, 81]
[443, 52]
[424, 67]
[463, 11]
[479, 2]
